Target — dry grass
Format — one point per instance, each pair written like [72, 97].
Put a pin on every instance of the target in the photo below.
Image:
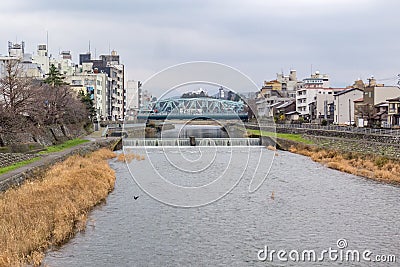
[128, 157]
[369, 166]
[271, 148]
[49, 211]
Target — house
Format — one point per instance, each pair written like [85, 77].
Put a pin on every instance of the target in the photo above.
[372, 108]
[286, 107]
[292, 116]
[393, 118]
[360, 112]
[344, 105]
[381, 114]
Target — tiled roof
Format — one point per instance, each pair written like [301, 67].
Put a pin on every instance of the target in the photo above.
[394, 99]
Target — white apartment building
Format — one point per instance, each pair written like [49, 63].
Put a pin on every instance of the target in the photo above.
[115, 91]
[64, 63]
[344, 105]
[29, 68]
[307, 92]
[103, 78]
[324, 100]
[95, 84]
[132, 97]
[42, 58]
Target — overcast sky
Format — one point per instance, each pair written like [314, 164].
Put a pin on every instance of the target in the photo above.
[348, 39]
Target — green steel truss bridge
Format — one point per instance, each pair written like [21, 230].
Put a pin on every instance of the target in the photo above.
[194, 108]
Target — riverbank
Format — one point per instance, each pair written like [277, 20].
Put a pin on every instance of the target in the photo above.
[365, 161]
[18, 175]
[370, 166]
[48, 211]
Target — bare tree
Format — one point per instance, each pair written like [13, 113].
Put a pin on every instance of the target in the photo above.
[16, 89]
[17, 98]
[26, 104]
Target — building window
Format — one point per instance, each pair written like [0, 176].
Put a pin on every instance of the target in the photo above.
[76, 82]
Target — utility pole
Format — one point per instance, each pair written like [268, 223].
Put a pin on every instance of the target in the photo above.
[349, 112]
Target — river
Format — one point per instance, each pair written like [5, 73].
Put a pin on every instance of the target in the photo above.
[302, 205]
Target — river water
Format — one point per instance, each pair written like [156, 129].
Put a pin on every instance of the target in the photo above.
[302, 205]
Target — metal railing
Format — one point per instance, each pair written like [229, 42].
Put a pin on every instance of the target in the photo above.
[337, 128]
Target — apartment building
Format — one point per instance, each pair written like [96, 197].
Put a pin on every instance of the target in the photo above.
[307, 91]
[115, 89]
[344, 105]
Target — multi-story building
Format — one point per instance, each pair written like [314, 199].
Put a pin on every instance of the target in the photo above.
[317, 80]
[377, 93]
[344, 105]
[102, 78]
[372, 108]
[132, 98]
[145, 100]
[115, 91]
[393, 118]
[16, 53]
[324, 106]
[42, 58]
[289, 83]
[280, 91]
[307, 91]
[92, 83]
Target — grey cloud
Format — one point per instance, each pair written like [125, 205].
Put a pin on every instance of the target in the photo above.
[342, 38]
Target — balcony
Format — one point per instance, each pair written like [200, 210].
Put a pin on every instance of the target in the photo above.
[394, 110]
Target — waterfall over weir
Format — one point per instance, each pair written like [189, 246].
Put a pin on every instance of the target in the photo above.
[199, 142]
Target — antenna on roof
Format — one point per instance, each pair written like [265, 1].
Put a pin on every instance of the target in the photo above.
[311, 69]
[47, 40]
[89, 46]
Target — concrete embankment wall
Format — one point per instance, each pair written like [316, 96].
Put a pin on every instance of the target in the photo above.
[387, 139]
[46, 136]
[381, 145]
[282, 144]
[36, 169]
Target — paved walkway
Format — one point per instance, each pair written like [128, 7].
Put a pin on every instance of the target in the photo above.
[48, 159]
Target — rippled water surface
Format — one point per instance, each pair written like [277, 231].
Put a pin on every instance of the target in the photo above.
[311, 208]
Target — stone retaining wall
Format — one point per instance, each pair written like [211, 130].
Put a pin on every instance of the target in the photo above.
[387, 139]
[357, 145]
[47, 136]
[7, 181]
[382, 145]
[7, 159]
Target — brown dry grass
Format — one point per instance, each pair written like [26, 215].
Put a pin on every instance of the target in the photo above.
[49, 211]
[128, 157]
[369, 166]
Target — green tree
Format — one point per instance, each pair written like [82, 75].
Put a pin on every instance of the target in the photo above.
[89, 104]
[54, 77]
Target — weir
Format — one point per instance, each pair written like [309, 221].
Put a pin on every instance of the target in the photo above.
[186, 142]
